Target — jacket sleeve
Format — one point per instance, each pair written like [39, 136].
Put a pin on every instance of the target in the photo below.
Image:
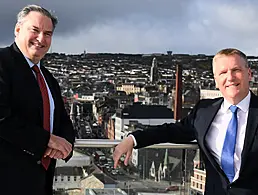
[179, 132]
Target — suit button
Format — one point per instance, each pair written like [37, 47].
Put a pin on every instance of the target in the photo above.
[38, 162]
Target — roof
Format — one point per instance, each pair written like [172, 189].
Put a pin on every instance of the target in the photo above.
[69, 171]
[104, 178]
[138, 111]
[78, 160]
[107, 191]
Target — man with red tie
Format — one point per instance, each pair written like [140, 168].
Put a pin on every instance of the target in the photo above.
[34, 127]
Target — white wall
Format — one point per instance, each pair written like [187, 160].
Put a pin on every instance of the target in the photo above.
[210, 94]
[63, 182]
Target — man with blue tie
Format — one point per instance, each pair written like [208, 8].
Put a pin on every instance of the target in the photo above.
[225, 129]
[35, 129]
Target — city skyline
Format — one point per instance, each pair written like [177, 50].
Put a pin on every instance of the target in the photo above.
[147, 26]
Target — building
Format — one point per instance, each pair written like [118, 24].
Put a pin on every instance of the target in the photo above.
[199, 177]
[154, 74]
[144, 114]
[152, 98]
[116, 191]
[68, 175]
[210, 94]
[98, 181]
[129, 88]
[198, 182]
[68, 178]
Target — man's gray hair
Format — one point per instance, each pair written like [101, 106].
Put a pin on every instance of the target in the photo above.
[230, 52]
[29, 8]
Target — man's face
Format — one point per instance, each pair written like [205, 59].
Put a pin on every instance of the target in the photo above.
[232, 77]
[34, 35]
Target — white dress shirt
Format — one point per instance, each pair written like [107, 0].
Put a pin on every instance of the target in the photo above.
[51, 101]
[217, 132]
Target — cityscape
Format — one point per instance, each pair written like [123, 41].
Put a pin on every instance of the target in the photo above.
[110, 95]
[126, 66]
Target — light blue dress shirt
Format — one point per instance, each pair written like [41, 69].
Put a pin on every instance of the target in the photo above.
[51, 100]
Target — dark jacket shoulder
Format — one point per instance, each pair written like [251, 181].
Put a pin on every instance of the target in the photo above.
[5, 53]
[204, 103]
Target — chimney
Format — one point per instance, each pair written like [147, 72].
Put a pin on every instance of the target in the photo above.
[178, 95]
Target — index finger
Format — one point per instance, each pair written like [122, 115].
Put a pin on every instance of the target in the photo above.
[116, 159]
[64, 146]
[47, 152]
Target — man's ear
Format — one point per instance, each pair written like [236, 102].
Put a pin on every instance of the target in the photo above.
[216, 84]
[17, 29]
[250, 74]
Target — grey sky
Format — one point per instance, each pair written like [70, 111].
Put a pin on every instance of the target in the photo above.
[145, 26]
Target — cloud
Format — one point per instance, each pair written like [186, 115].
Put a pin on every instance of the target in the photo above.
[183, 26]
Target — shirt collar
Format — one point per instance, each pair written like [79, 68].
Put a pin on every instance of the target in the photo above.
[31, 64]
[28, 60]
[243, 105]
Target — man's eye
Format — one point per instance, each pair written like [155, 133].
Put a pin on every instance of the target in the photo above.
[236, 70]
[48, 34]
[35, 30]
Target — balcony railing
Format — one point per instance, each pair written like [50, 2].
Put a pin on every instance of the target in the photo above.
[106, 143]
[159, 169]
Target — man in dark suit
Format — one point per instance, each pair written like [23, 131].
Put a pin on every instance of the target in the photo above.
[225, 129]
[35, 129]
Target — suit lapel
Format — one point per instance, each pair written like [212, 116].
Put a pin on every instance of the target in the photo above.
[29, 79]
[22, 65]
[207, 117]
[251, 128]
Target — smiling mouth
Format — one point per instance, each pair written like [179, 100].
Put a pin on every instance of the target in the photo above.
[38, 46]
[235, 85]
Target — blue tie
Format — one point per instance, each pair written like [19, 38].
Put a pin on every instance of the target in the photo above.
[227, 156]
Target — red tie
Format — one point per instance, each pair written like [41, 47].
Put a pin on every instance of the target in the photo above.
[46, 108]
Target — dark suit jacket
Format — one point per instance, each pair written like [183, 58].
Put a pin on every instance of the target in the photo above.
[196, 126]
[23, 140]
